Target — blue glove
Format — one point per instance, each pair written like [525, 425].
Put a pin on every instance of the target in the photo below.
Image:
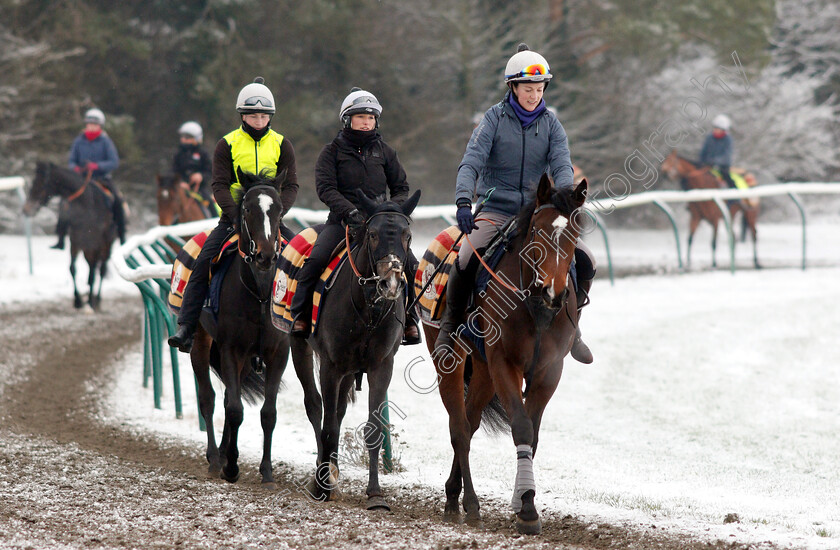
[466, 223]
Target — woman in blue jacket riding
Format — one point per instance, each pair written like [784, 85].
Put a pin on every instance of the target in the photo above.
[94, 156]
[517, 140]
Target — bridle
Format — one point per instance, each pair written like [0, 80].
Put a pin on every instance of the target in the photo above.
[246, 232]
[380, 307]
[396, 265]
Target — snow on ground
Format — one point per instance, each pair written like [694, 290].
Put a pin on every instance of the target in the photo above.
[711, 394]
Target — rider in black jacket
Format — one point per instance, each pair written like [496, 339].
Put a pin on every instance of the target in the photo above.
[357, 158]
[192, 162]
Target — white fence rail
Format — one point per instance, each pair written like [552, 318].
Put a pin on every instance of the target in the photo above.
[17, 183]
[599, 207]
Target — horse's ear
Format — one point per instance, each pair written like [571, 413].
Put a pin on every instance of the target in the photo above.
[544, 190]
[240, 175]
[368, 206]
[280, 179]
[580, 193]
[157, 179]
[409, 205]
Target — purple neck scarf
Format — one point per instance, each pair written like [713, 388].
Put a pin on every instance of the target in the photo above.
[525, 117]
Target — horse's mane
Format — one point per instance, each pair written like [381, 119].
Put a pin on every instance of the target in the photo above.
[694, 163]
[249, 180]
[387, 206]
[561, 199]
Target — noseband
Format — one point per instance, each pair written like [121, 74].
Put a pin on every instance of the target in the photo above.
[375, 278]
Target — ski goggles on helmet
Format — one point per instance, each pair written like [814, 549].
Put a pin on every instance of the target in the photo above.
[258, 101]
[537, 69]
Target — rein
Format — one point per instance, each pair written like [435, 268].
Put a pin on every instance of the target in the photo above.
[375, 320]
[78, 193]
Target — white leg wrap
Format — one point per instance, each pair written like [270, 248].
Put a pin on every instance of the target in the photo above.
[524, 475]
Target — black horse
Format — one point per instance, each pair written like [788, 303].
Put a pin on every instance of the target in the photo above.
[242, 337]
[92, 229]
[361, 329]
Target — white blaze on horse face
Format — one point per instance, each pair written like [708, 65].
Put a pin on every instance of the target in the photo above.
[265, 204]
[560, 223]
[390, 269]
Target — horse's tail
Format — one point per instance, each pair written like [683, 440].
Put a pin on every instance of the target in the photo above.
[252, 387]
[494, 419]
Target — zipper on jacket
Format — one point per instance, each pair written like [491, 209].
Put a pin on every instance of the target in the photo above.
[257, 157]
[522, 172]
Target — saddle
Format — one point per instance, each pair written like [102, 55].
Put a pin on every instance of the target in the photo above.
[742, 180]
[433, 300]
[184, 264]
[289, 264]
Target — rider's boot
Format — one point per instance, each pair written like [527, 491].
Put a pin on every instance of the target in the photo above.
[580, 351]
[183, 337]
[301, 310]
[61, 230]
[302, 326]
[411, 334]
[119, 217]
[458, 290]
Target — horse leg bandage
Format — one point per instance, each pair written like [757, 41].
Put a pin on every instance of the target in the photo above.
[524, 475]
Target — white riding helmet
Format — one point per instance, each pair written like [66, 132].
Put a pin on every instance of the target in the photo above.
[723, 122]
[359, 101]
[527, 66]
[95, 116]
[192, 129]
[255, 98]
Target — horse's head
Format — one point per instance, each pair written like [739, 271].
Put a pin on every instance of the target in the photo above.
[554, 230]
[39, 192]
[671, 166]
[167, 193]
[259, 220]
[387, 238]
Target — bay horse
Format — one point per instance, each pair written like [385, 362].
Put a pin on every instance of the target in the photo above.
[361, 328]
[528, 321]
[176, 201]
[693, 176]
[243, 331]
[91, 221]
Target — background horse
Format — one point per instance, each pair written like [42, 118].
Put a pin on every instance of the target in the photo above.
[91, 226]
[243, 331]
[362, 325]
[693, 176]
[175, 203]
[528, 321]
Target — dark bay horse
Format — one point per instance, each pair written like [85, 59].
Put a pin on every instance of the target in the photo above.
[362, 325]
[176, 201]
[528, 322]
[243, 331]
[91, 227]
[693, 176]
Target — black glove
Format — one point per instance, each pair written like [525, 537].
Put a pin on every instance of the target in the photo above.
[466, 223]
[354, 219]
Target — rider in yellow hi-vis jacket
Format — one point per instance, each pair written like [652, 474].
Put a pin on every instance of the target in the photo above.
[253, 147]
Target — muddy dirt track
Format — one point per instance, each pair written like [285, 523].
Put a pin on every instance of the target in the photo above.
[67, 480]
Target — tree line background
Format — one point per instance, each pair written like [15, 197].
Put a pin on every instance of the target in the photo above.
[621, 68]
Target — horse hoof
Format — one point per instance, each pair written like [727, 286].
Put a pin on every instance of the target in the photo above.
[378, 503]
[269, 485]
[450, 516]
[473, 519]
[88, 310]
[214, 472]
[230, 478]
[528, 527]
